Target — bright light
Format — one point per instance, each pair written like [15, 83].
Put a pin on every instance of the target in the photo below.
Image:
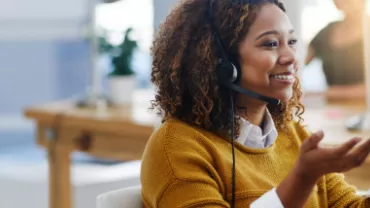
[317, 16]
[117, 17]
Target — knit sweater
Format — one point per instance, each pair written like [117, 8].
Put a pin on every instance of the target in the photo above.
[186, 166]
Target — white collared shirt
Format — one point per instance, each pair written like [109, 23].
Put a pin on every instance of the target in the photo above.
[253, 136]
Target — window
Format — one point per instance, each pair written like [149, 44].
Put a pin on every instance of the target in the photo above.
[316, 15]
[116, 17]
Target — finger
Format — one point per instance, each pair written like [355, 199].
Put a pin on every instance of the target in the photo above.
[356, 161]
[313, 141]
[343, 149]
[361, 159]
[362, 152]
[367, 149]
[354, 157]
[364, 146]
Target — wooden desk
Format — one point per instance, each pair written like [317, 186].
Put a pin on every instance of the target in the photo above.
[62, 128]
[331, 119]
[122, 134]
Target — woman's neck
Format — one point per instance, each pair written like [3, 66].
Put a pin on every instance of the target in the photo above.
[251, 109]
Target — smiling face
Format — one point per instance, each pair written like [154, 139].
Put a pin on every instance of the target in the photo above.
[267, 55]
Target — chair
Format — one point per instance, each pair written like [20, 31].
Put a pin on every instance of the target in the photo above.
[122, 198]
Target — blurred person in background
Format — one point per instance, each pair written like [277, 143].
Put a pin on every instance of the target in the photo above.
[340, 48]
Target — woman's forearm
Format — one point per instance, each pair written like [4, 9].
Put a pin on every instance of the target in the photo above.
[295, 190]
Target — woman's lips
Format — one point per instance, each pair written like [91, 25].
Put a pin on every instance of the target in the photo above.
[285, 77]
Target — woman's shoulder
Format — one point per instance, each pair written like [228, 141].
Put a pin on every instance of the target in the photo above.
[166, 156]
[330, 25]
[175, 129]
[299, 130]
[175, 133]
[323, 34]
[174, 144]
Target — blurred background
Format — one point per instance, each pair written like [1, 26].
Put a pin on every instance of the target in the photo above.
[53, 50]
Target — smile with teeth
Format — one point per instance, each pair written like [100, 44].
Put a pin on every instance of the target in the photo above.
[289, 77]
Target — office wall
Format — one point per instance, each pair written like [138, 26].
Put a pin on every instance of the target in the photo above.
[294, 11]
[43, 54]
[161, 10]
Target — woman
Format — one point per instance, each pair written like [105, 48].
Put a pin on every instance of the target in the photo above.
[340, 47]
[189, 161]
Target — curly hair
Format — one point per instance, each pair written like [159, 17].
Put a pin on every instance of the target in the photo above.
[185, 57]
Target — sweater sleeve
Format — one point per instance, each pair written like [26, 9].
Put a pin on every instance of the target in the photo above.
[340, 194]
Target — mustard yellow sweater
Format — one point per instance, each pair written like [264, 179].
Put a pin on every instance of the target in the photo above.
[185, 166]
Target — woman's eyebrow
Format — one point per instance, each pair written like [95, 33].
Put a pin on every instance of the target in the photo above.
[272, 32]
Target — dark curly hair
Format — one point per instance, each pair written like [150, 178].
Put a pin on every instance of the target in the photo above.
[185, 57]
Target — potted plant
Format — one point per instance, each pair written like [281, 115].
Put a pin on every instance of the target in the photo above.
[122, 80]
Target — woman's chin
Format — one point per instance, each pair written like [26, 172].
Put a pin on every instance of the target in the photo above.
[284, 97]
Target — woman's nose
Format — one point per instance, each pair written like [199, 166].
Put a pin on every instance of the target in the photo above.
[287, 56]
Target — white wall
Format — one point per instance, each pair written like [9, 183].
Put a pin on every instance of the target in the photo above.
[41, 50]
[42, 19]
[294, 11]
[42, 9]
[161, 10]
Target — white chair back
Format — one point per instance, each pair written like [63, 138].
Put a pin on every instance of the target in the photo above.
[122, 198]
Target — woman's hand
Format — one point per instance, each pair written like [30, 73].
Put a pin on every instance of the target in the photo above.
[315, 161]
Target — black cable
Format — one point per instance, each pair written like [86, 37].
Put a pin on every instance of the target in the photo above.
[218, 42]
[233, 149]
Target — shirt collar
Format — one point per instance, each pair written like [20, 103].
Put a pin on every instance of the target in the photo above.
[253, 136]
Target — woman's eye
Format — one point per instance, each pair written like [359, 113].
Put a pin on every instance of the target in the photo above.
[271, 44]
[293, 42]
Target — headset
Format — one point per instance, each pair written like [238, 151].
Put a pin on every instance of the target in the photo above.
[227, 75]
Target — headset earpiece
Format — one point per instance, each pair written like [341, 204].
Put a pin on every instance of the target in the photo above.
[226, 72]
[235, 74]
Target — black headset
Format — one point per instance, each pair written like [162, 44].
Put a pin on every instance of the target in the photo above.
[227, 74]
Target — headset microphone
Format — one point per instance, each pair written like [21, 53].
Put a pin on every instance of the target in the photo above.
[224, 76]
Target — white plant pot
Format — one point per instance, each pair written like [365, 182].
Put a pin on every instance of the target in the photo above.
[120, 89]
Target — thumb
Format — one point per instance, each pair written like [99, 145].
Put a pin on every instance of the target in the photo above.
[313, 141]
